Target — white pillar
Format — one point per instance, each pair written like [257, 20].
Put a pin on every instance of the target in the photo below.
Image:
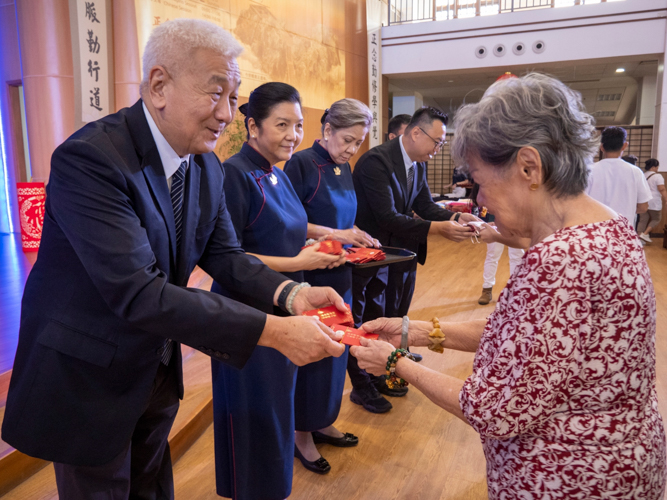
[406, 103]
[647, 101]
[660, 125]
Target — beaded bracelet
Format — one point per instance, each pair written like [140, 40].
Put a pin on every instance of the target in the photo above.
[292, 296]
[392, 380]
[436, 337]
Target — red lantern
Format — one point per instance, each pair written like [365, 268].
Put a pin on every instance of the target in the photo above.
[506, 75]
[32, 196]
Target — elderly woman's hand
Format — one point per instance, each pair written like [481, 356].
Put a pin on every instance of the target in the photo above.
[488, 233]
[390, 330]
[373, 355]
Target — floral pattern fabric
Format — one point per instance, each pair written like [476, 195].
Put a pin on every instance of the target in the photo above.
[563, 384]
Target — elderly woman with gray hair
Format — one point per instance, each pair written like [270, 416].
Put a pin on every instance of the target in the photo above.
[563, 384]
[322, 179]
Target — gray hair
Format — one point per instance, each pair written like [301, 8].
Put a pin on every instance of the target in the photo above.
[347, 113]
[173, 43]
[538, 111]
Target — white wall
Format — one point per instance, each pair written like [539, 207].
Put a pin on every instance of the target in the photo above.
[577, 33]
[615, 29]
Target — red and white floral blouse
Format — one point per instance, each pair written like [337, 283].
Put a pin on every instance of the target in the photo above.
[563, 384]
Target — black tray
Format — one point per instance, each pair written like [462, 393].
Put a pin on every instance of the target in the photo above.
[393, 255]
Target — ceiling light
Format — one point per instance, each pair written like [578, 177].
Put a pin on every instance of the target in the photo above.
[620, 70]
[451, 81]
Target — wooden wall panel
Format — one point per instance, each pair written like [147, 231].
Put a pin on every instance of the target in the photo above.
[318, 46]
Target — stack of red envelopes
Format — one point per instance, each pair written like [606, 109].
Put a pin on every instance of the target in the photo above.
[351, 335]
[331, 316]
[363, 255]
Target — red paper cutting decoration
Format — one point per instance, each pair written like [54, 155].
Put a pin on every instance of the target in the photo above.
[32, 196]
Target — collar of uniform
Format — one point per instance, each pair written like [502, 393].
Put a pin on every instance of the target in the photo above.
[170, 160]
[406, 159]
[323, 153]
[256, 157]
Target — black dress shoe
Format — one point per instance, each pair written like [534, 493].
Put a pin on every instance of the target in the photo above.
[348, 440]
[319, 466]
[370, 399]
[381, 385]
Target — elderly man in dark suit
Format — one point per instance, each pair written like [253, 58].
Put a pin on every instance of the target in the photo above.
[134, 202]
[390, 184]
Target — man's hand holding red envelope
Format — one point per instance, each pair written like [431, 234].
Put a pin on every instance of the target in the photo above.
[342, 323]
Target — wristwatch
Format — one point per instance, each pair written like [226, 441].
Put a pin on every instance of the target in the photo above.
[457, 216]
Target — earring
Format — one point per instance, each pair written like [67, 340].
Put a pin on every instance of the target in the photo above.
[534, 186]
[326, 139]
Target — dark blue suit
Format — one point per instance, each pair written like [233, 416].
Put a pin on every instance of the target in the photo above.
[385, 206]
[108, 288]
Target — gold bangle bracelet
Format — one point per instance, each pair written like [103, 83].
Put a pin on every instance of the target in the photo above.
[436, 337]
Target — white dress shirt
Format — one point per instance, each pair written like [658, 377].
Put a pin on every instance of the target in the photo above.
[406, 159]
[170, 160]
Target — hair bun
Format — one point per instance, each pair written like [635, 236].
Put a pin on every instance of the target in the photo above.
[324, 116]
[243, 108]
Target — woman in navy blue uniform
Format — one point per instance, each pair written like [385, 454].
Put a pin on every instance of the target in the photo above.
[254, 407]
[322, 179]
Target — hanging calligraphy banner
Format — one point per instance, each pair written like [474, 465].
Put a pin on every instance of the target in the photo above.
[93, 61]
[32, 196]
[374, 29]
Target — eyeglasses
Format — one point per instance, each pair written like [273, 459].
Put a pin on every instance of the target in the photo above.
[438, 144]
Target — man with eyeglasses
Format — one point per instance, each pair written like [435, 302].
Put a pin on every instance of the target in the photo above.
[390, 183]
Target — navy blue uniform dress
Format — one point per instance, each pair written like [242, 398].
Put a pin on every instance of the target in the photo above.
[327, 193]
[253, 408]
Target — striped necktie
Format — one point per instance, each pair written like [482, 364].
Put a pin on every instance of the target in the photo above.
[411, 180]
[177, 192]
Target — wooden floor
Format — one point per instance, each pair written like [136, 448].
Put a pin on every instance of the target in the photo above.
[416, 451]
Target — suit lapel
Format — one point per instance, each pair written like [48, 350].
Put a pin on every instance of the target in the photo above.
[157, 183]
[153, 171]
[191, 213]
[399, 169]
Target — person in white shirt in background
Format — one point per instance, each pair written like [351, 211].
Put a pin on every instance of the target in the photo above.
[616, 183]
[656, 183]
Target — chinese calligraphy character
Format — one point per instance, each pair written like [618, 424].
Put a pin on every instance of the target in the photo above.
[374, 101]
[375, 132]
[94, 68]
[93, 44]
[90, 12]
[375, 116]
[374, 55]
[374, 39]
[374, 85]
[156, 21]
[374, 71]
[95, 99]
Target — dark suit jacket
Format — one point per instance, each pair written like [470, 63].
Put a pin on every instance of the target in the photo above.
[383, 208]
[106, 291]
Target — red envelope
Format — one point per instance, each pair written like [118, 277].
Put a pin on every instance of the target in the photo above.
[331, 316]
[332, 247]
[351, 335]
